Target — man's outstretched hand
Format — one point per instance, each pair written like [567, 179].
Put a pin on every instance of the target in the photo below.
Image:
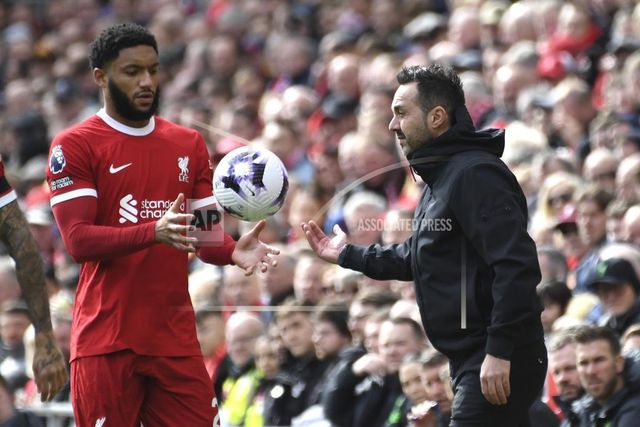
[250, 252]
[49, 367]
[327, 248]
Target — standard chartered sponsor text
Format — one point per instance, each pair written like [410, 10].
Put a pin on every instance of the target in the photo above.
[154, 208]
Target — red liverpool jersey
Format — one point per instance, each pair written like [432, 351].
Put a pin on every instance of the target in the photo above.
[137, 300]
[7, 195]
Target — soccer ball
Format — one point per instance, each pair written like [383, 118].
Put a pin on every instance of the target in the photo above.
[250, 183]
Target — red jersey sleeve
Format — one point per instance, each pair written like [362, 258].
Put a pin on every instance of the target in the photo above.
[74, 203]
[69, 174]
[219, 254]
[86, 241]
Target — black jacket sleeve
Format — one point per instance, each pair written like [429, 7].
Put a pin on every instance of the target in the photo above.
[491, 210]
[391, 262]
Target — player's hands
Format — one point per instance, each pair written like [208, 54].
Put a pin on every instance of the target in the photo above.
[369, 364]
[327, 248]
[250, 252]
[49, 367]
[173, 226]
[494, 379]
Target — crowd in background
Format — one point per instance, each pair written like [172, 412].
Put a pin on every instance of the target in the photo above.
[313, 81]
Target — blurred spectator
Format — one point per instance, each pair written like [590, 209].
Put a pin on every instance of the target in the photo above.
[628, 179]
[242, 331]
[555, 297]
[9, 286]
[553, 264]
[362, 306]
[307, 278]
[630, 341]
[299, 383]
[10, 416]
[564, 373]
[591, 206]
[268, 360]
[14, 321]
[375, 376]
[435, 385]
[602, 373]
[240, 292]
[600, 169]
[210, 329]
[616, 283]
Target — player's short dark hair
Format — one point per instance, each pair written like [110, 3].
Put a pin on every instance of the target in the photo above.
[588, 334]
[438, 85]
[107, 46]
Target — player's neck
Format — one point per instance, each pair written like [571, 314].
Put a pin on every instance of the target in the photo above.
[123, 127]
[111, 112]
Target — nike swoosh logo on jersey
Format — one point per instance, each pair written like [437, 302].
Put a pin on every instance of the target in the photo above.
[119, 168]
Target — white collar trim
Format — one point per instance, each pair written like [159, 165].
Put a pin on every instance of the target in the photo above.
[143, 131]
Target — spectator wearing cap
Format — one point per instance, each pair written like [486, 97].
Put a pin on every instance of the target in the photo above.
[616, 283]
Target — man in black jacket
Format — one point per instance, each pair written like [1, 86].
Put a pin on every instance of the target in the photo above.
[474, 266]
[612, 389]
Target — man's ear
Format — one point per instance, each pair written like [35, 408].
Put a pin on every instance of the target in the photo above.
[100, 77]
[619, 363]
[438, 118]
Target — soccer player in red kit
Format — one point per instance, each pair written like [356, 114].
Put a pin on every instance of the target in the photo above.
[118, 181]
[49, 367]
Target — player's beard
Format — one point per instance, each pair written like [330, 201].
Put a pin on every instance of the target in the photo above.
[126, 109]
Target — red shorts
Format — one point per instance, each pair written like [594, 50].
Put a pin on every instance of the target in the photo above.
[124, 389]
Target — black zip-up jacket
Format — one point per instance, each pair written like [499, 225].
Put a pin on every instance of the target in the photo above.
[474, 265]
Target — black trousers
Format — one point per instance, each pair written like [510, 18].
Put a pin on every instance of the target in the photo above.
[470, 408]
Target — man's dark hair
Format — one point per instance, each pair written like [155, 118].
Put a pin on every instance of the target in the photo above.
[555, 292]
[597, 195]
[416, 329]
[588, 334]
[437, 85]
[377, 298]
[336, 313]
[107, 46]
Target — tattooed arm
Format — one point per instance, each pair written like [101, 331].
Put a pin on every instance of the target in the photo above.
[49, 366]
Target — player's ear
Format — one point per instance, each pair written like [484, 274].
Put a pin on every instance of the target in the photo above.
[100, 77]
